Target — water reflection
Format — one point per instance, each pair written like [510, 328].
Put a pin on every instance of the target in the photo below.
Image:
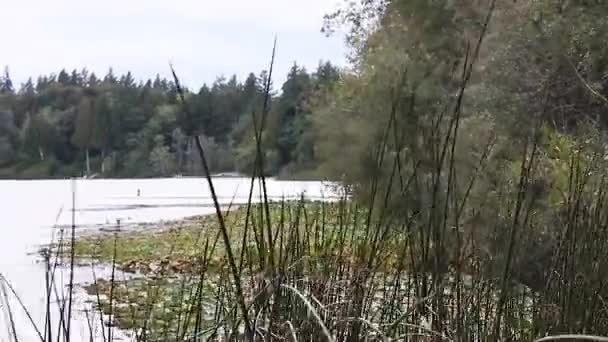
[36, 212]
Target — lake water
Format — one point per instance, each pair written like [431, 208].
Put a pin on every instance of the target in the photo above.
[32, 211]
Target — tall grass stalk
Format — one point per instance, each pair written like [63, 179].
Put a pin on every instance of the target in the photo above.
[438, 244]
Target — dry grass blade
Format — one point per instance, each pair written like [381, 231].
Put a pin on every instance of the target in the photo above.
[27, 313]
[220, 217]
[573, 337]
[292, 331]
[9, 312]
[311, 309]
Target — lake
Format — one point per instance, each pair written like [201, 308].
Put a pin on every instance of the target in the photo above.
[34, 210]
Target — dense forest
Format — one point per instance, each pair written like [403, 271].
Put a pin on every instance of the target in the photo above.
[516, 73]
[76, 123]
[542, 59]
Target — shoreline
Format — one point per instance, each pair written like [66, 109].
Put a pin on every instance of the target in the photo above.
[165, 258]
[175, 262]
[94, 273]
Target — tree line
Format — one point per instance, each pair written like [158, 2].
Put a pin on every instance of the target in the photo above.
[537, 59]
[73, 124]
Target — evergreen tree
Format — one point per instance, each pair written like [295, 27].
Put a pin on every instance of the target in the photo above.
[92, 81]
[291, 110]
[26, 100]
[28, 87]
[6, 84]
[251, 95]
[63, 78]
[326, 75]
[127, 80]
[75, 78]
[110, 78]
[157, 83]
[84, 77]
[42, 83]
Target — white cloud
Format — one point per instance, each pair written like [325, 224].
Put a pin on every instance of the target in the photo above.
[204, 38]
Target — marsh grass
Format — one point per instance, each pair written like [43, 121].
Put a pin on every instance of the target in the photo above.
[437, 249]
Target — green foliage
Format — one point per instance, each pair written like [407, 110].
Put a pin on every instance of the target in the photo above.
[118, 127]
[161, 159]
[84, 126]
[246, 155]
[475, 157]
[9, 137]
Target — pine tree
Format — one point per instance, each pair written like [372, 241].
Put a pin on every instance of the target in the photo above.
[63, 78]
[296, 89]
[6, 84]
[157, 83]
[26, 100]
[110, 78]
[75, 78]
[27, 88]
[127, 80]
[84, 77]
[92, 81]
[250, 96]
[42, 83]
[326, 75]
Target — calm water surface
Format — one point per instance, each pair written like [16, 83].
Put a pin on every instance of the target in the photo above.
[32, 211]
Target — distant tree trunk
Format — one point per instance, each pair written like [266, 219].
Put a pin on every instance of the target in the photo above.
[189, 162]
[88, 163]
[103, 161]
[180, 160]
[192, 158]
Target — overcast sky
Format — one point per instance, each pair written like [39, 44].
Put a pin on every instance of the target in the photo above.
[203, 38]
